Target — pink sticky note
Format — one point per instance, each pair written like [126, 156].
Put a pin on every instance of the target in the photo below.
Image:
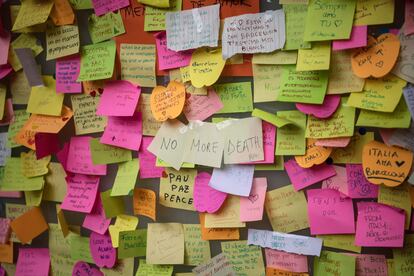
[4, 47]
[33, 261]
[330, 212]
[102, 7]
[83, 269]
[358, 185]
[81, 193]
[251, 207]
[379, 225]
[62, 155]
[324, 110]
[168, 59]
[358, 39]
[67, 72]
[96, 220]
[102, 251]
[302, 178]
[147, 160]
[206, 199]
[394, 31]
[286, 261]
[269, 143]
[370, 265]
[340, 142]
[4, 230]
[5, 69]
[2, 271]
[119, 98]
[201, 107]
[46, 144]
[80, 159]
[338, 181]
[124, 132]
[409, 18]
[10, 194]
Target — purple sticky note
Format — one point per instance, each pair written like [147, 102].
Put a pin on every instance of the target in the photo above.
[330, 212]
[4, 47]
[358, 39]
[207, 199]
[168, 59]
[147, 160]
[83, 269]
[102, 251]
[30, 67]
[324, 110]
[358, 185]
[302, 178]
[81, 193]
[46, 144]
[33, 261]
[67, 72]
[96, 220]
[124, 132]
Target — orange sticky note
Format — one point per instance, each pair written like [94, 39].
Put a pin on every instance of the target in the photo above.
[386, 165]
[314, 155]
[6, 252]
[29, 225]
[377, 58]
[270, 271]
[48, 124]
[217, 233]
[167, 102]
[145, 203]
[62, 13]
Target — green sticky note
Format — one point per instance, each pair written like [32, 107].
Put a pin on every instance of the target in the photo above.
[332, 263]
[302, 86]
[295, 26]
[14, 180]
[404, 257]
[162, 163]
[81, 4]
[399, 118]
[145, 269]
[270, 118]
[113, 205]
[329, 19]
[397, 197]
[155, 17]
[104, 27]
[236, 97]
[156, 3]
[125, 177]
[79, 248]
[107, 154]
[317, 58]
[291, 138]
[97, 61]
[33, 198]
[340, 124]
[352, 153]
[277, 166]
[345, 242]
[132, 243]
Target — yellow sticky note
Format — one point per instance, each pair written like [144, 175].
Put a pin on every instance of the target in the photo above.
[33, 12]
[277, 57]
[44, 99]
[14, 11]
[205, 67]
[398, 197]
[373, 12]
[62, 221]
[62, 41]
[227, 217]
[352, 153]
[138, 64]
[404, 257]
[156, 3]
[316, 58]
[55, 186]
[31, 166]
[379, 94]
[271, 118]
[23, 41]
[126, 177]
[84, 114]
[122, 223]
[266, 82]
[345, 242]
[2, 99]
[33, 198]
[20, 88]
[197, 250]
[150, 126]
[16, 181]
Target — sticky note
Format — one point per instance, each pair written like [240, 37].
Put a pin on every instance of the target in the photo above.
[145, 268]
[61, 41]
[132, 243]
[150, 126]
[30, 67]
[83, 267]
[227, 217]
[176, 189]
[145, 203]
[402, 68]
[147, 168]
[29, 225]
[402, 138]
[403, 257]
[16, 181]
[358, 185]
[81, 193]
[315, 155]
[167, 59]
[398, 197]
[219, 264]
[23, 41]
[357, 39]
[105, 27]
[96, 219]
[79, 248]
[122, 223]
[113, 205]
[6, 255]
[196, 250]
[32, 13]
[286, 261]
[295, 14]
[44, 100]
[244, 259]
[352, 153]
[251, 207]
[266, 82]
[31, 166]
[171, 251]
[62, 13]
[205, 67]
[102, 7]
[337, 182]
[47, 124]
[207, 199]
[217, 233]
[125, 178]
[275, 58]
[167, 102]
[155, 14]
[225, 179]
[345, 242]
[316, 58]
[103, 254]
[4, 230]
[33, 261]
[85, 119]
[236, 97]
[368, 13]
[5, 150]
[331, 261]
[201, 107]
[290, 139]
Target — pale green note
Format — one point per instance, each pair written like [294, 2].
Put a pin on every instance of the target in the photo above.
[295, 15]
[332, 263]
[104, 27]
[236, 97]
[14, 180]
[155, 17]
[125, 177]
[291, 139]
[79, 248]
[113, 205]
[107, 154]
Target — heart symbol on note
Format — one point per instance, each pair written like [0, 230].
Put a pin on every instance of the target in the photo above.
[399, 163]
[164, 174]
[93, 94]
[377, 58]
[100, 90]
[64, 119]
[253, 198]
[31, 141]
[338, 23]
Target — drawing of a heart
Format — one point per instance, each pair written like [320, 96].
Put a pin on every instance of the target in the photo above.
[338, 23]
[93, 93]
[253, 198]
[399, 163]
[377, 58]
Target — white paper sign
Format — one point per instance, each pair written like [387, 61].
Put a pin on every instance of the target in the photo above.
[233, 179]
[403, 137]
[409, 98]
[194, 28]
[290, 243]
[253, 33]
[5, 151]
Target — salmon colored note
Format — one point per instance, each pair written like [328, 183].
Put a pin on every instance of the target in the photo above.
[81, 193]
[102, 251]
[207, 199]
[147, 161]
[314, 155]
[33, 261]
[6, 253]
[29, 225]
[208, 234]
[286, 261]
[167, 102]
[168, 59]
[200, 107]
[62, 13]
[377, 58]
[322, 111]
[145, 202]
[358, 39]
[386, 165]
[96, 220]
[338, 181]
[251, 207]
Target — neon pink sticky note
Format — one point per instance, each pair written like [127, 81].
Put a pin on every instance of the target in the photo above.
[330, 212]
[5, 69]
[251, 207]
[104, 6]
[302, 178]
[80, 159]
[379, 225]
[4, 230]
[62, 155]
[33, 261]
[358, 39]
[67, 72]
[2, 271]
[46, 144]
[201, 107]
[338, 181]
[96, 220]
[369, 264]
[147, 160]
[11, 194]
[83, 269]
[358, 185]
[124, 132]
[81, 193]
[119, 98]
[102, 251]
[286, 261]
[339, 142]
[4, 47]
[409, 18]
[324, 110]
[207, 199]
[168, 59]
[269, 143]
